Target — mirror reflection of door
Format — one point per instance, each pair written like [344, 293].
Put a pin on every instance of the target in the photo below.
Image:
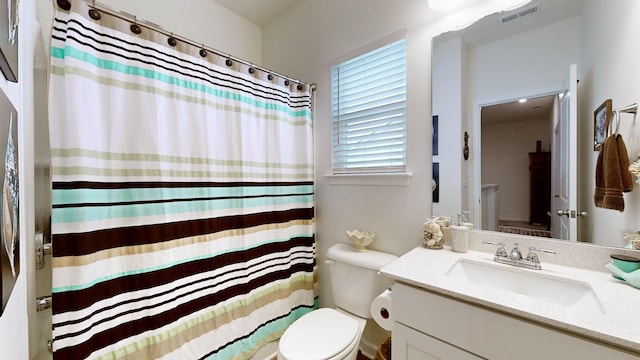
[516, 143]
[566, 194]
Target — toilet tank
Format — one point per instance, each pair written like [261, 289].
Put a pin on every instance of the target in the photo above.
[354, 277]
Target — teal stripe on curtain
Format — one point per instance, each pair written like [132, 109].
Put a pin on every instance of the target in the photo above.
[99, 63]
[183, 200]
[101, 212]
[64, 197]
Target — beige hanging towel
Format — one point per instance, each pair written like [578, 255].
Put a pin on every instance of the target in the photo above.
[612, 174]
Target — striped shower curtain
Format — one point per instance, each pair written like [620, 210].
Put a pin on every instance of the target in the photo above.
[183, 198]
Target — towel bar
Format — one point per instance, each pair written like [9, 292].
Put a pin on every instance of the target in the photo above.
[633, 109]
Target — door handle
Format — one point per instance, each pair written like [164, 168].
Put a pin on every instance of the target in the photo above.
[572, 213]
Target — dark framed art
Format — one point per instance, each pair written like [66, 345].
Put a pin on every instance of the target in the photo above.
[435, 184]
[601, 120]
[434, 134]
[10, 200]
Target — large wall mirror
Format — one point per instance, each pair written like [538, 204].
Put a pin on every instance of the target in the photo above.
[528, 158]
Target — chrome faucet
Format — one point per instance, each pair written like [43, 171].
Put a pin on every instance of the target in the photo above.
[515, 257]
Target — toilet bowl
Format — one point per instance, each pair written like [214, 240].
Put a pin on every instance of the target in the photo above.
[335, 333]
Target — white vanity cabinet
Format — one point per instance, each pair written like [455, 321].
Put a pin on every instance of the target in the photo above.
[432, 326]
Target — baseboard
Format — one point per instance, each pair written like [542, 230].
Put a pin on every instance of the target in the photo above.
[513, 219]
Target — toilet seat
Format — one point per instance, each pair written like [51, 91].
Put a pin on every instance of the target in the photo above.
[320, 334]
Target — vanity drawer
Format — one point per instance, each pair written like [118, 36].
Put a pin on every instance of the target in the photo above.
[488, 333]
[411, 344]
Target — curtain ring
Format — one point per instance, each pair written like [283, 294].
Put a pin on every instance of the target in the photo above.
[228, 62]
[93, 13]
[202, 51]
[172, 41]
[64, 4]
[134, 27]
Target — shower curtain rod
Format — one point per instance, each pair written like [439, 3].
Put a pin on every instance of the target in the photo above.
[66, 5]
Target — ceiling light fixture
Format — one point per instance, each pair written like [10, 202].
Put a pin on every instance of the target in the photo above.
[516, 4]
[522, 101]
[444, 5]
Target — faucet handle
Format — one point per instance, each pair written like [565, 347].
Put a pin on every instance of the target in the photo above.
[501, 252]
[533, 257]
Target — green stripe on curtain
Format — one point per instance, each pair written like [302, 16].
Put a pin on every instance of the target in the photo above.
[183, 201]
[173, 159]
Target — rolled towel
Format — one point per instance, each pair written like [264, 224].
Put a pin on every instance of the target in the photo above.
[632, 278]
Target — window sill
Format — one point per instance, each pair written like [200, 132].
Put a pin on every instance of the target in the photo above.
[400, 179]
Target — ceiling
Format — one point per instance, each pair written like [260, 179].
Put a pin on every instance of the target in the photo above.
[533, 109]
[258, 12]
[509, 23]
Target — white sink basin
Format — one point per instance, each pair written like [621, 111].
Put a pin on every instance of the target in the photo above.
[573, 294]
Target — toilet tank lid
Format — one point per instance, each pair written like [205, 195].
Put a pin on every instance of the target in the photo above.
[369, 259]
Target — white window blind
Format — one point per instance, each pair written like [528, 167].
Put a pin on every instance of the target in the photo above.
[369, 112]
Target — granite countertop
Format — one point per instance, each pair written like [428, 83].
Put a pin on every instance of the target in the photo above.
[617, 323]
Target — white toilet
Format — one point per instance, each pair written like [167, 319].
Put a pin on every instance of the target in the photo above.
[332, 334]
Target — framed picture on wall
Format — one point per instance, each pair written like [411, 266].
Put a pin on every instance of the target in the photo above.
[434, 134]
[601, 119]
[10, 199]
[435, 182]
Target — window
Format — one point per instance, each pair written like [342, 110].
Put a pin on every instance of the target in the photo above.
[368, 106]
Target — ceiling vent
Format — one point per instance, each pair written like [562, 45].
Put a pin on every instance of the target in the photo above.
[533, 9]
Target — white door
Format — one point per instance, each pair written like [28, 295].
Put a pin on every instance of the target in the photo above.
[565, 161]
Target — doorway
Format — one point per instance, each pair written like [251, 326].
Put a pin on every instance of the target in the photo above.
[516, 140]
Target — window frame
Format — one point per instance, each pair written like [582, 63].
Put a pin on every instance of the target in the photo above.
[394, 175]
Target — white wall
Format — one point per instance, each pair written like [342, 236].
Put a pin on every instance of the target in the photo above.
[203, 21]
[303, 43]
[609, 71]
